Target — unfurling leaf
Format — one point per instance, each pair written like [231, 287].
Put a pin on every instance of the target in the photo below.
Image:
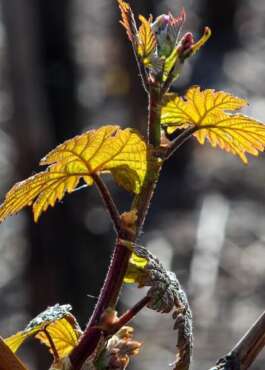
[8, 360]
[207, 111]
[118, 351]
[58, 322]
[123, 153]
[146, 270]
[146, 40]
[205, 37]
[167, 29]
[165, 295]
[185, 49]
[127, 19]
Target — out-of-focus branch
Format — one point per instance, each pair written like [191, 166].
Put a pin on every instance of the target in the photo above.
[247, 349]
[8, 360]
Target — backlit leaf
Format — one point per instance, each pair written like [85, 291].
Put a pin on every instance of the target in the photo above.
[58, 322]
[206, 111]
[175, 60]
[146, 40]
[123, 153]
[170, 63]
[8, 360]
[64, 336]
[136, 269]
[127, 19]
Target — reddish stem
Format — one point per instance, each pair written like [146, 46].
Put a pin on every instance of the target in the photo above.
[53, 348]
[86, 346]
[154, 113]
[121, 255]
[110, 289]
[107, 298]
[130, 314]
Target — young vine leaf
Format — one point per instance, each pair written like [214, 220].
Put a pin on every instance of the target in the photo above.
[64, 334]
[146, 40]
[55, 324]
[158, 43]
[123, 153]
[207, 111]
[127, 20]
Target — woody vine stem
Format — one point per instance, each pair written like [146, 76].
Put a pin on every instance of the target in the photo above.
[119, 262]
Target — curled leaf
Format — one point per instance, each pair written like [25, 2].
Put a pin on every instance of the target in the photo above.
[166, 294]
[146, 270]
[207, 111]
[205, 37]
[123, 153]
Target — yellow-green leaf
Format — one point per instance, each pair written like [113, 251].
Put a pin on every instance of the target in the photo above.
[8, 360]
[206, 111]
[63, 334]
[146, 40]
[170, 62]
[60, 325]
[109, 149]
[136, 269]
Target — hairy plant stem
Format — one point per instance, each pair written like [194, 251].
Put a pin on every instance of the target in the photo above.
[154, 114]
[114, 279]
[129, 315]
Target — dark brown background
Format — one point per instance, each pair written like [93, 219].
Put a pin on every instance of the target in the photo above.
[65, 67]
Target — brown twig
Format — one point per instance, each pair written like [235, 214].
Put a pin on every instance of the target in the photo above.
[247, 349]
[109, 202]
[8, 360]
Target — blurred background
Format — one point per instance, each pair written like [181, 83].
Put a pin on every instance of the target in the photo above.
[65, 67]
